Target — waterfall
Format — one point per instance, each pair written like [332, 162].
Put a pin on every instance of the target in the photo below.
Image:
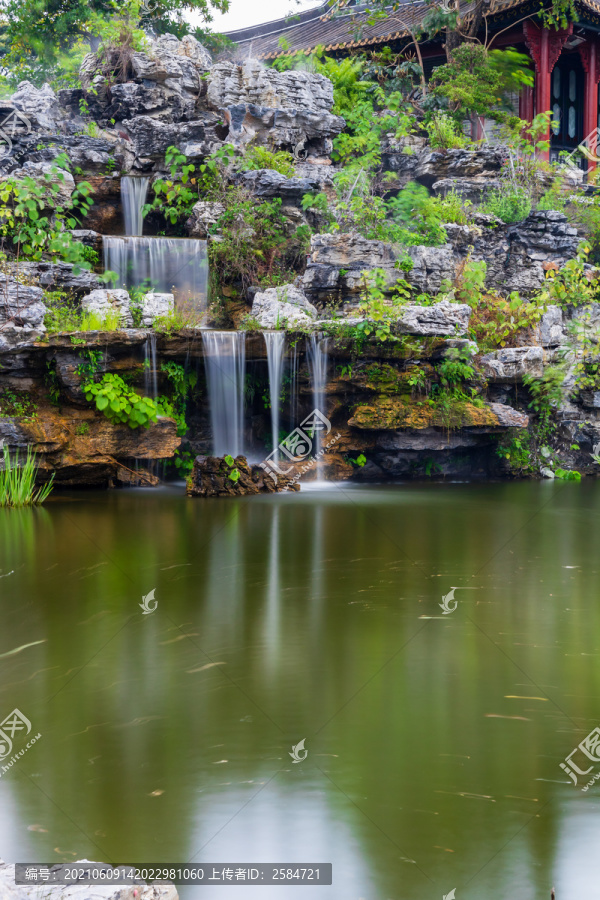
[150, 373]
[275, 341]
[133, 197]
[317, 365]
[294, 387]
[164, 265]
[225, 361]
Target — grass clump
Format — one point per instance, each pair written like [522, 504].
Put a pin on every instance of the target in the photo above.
[18, 482]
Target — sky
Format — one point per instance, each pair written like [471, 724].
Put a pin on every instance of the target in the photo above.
[243, 13]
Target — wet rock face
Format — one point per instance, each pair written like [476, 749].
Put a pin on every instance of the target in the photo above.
[22, 313]
[212, 476]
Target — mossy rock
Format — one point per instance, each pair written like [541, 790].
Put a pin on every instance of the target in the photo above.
[394, 413]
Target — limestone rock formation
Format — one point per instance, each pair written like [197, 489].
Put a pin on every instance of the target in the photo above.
[510, 364]
[103, 302]
[291, 109]
[440, 318]
[55, 276]
[166, 82]
[155, 306]
[267, 184]
[282, 307]
[39, 105]
[472, 173]
[204, 214]
[212, 476]
[22, 313]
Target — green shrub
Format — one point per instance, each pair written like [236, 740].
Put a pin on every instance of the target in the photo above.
[444, 133]
[261, 158]
[35, 224]
[510, 203]
[17, 482]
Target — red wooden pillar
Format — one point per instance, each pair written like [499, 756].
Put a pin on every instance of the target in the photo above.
[545, 46]
[590, 58]
[526, 104]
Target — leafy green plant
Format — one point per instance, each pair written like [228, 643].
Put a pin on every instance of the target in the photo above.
[260, 158]
[567, 474]
[17, 403]
[182, 383]
[33, 221]
[381, 306]
[18, 481]
[82, 429]
[120, 404]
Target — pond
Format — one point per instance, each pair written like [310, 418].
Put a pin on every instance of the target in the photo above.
[433, 740]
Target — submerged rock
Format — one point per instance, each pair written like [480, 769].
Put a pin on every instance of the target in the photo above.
[212, 476]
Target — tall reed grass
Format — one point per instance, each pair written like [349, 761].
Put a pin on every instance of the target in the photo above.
[17, 482]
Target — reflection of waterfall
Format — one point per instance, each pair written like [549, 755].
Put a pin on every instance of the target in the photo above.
[225, 361]
[150, 376]
[275, 341]
[133, 197]
[317, 364]
[164, 265]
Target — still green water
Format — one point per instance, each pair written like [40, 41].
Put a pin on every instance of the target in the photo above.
[434, 741]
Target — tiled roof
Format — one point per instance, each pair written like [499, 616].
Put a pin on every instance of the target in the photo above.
[320, 26]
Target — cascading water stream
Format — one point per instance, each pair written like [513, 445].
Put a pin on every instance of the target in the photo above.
[317, 366]
[294, 387]
[150, 374]
[225, 361]
[133, 197]
[275, 341]
[164, 265]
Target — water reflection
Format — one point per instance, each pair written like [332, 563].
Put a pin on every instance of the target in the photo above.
[434, 741]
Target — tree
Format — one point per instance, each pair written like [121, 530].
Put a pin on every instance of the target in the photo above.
[40, 36]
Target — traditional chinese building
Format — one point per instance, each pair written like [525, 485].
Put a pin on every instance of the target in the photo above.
[566, 61]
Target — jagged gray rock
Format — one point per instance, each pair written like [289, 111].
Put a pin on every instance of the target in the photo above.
[149, 138]
[274, 108]
[22, 313]
[472, 173]
[510, 364]
[40, 106]
[167, 82]
[204, 214]
[282, 307]
[59, 276]
[267, 183]
[156, 306]
[103, 302]
[438, 319]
